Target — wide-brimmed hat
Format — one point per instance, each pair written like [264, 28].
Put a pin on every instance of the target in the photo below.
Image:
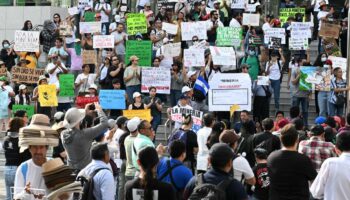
[56, 174]
[52, 166]
[68, 189]
[58, 126]
[39, 122]
[73, 117]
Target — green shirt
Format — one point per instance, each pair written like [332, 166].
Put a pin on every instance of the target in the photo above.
[128, 142]
[140, 142]
[252, 62]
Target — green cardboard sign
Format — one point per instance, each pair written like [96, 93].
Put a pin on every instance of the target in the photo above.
[229, 36]
[66, 85]
[141, 49]
[28, 108]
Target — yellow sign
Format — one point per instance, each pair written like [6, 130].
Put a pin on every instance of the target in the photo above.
[142, 114]
[47, 95]
[233, 109]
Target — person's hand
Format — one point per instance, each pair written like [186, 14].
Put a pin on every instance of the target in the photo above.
[58, 63]
[160, 149]
[280, 50]
[97, 106]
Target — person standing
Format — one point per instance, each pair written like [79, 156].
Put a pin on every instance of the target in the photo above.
[130, 169]
[8, 55]
[104, 9]
[337, 98]
[155, 106]
[132, 78]
[120, 38]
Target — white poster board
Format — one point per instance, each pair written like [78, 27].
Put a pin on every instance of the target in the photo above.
[223, 55]
[275, 32]
[169, 28]
[73, 11]
[172, 49]
[339, 62]
[263, 80]
[229, 89]
[238, 4]
[194, 58]
[90, 27]
[27, 41]
[298, 43]
[300, 30]
[103, 41]
[190, 29]
[251, 19]
[157, 77]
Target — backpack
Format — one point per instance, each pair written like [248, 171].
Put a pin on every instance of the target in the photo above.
[169, 172]
[179, 134]
[88, 185]
[209, 191]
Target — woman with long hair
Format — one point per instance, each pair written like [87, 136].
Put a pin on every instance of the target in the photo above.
[217, 129]
[146, 186]
[57, 20]
[27, 26]
[337, 98]
[22, 97]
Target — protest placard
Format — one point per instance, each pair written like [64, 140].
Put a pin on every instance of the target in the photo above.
[331, 47]
[3, 72]
[197, 116]
[89, 16]
[66, 85]
[300, 30]
[65, 29]
[112, 99]
[229, 89]
[314, 78]
[274, 43]
[26, 75]
[28, 108]
[48, 95]
[298, 43]
[4, 96]
[250, 8]
[238, 4]
[290, 12]
[263, 80]
[156, 77]
[339, 62]
[229, 36]
[81, 101]
[251, 19]
[136, 23]
[329, 30]
[27, 41]
[194, 58]
[200, 45]
[275, 32]
[255, 41]
[103, 41]
[73, 11]
[142, 114]
[141, 49]
[223, 55]
[172, 49]
[190, 29]
[89, 57]
[90, 27]
[169, 28]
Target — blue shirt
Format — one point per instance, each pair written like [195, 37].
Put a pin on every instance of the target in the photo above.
[181, 174]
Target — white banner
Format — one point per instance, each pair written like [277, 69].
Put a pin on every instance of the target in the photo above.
[169, 28]
[339, 62]
[176, 115]
[103, 41]
[300, 30]
[27, 41]
[298, 43]
[73, 11]
[275, 32]
[90, 27]
[194, 58]
[172, 49]
[250, 8]
[251, 19]
[263, 80]
[190, 29]
[238, 4]
[156, 77]
[223, 55]
[229, 89]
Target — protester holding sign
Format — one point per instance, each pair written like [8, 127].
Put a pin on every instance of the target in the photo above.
[84, 80]
[22, 97]
[40, 109]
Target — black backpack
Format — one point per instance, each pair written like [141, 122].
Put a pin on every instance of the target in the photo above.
[209, 191]
[88, 185]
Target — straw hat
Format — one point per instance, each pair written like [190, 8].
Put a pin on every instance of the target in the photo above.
[73, 117]
[42, 77]
[58, 126]
[40, 122]
[52, 166]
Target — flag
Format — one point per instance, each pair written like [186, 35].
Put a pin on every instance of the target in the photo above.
[202, 85]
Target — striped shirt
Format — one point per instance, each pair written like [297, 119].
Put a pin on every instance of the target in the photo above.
[336, 84]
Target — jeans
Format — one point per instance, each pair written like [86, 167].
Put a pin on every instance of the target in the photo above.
[304, 101]
[157, 119]
[106, 26]
[63, 107]
[335, 110]
[10, 173]
[276, 86]
[130, 91]
[122, 181]
[323, 103]
[174, 97]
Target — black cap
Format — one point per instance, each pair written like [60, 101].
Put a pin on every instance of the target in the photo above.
[317, 130]
[220, 154]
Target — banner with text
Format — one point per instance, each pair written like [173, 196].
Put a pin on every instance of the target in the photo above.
[142, 114]
[229, 36]
[157, 77]
[26, 75]
[27, 41]
[238, 4]
[28, 108]
[81, 101]
[169, 28]
[314, 78]
[275, 32]
[194, 58]
[172, 49]
[66, 85]
[90, 27]
[300, 30]
[329, 30]
[89, 57]
[251, 19]
[112, 99]
[197, 116]
[298, 43]
[190, 29]
[223, 55]
[103, 41]
[136, 23]
[290, 12]
[339, 62]
[48, 95]
[141, 49]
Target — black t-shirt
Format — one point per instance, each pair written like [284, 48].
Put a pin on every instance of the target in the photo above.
[57, 150]
[154, 109]
[272, 142]
[191, 143]
[164, 190]
[120, 76]
[12, 155]
[262, 184]
[121, 145]
[289, 173]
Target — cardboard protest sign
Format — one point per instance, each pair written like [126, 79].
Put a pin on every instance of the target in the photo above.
[89, 16]
[300, 30]
[251, 19]
[136, 23]
[28, 108]
[229, 89]
[200, 45]
[81, 101]
[142, 114]
[194, 57]
[26, 75]
[229, 36]
[141, 49]
[190, 29]
[314, 78]
[197, 116]
[73, 11]
[274, 43]
[263, 80]
[90, 27]
[48, 95]
[298, 43]
[66, 85]
[3, 72]
[169, 28]
[339, 62]
[223, 55]
[112, 99]
[329, 30]
[172, 49]
[250, 8]
[27, 41]
[103, 41]
[255, 41]
[89, 57]
[4, 96]
[65, 29]
[156, 77]
[331, 47]
[238, 4]
[290, 12]
[275, 32]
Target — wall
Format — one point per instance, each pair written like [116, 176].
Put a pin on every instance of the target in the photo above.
[12, 18]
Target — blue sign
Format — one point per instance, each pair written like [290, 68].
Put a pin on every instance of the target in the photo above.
[112, 99]
[4, 102]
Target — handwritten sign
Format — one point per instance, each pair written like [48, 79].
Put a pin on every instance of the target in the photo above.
[339, 62]
[82, 101]
[223, 55]
[89, 57]
[331, 47]
[238, 4]
[89, 16]
[275, 32]
[27, 41]
[136, 23]
[90, 27]
[329, 30]
[48, 95]
[28, 108]
[141, 49]
[172, 49]
[250, 8]
[251, 19]
[300, 30]
[275, 43]
[112, 99]
[197, 116]
[26, 75]
[263, 80]
[194, 57]
[4, 96]
[290, 12]
[142, 114]
[169, 28]
[66, 85]
[229, 36]
[103, 41]
[156, 77]
[298, 43]
[190, 29]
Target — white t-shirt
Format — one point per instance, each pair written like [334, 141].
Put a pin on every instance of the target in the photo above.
[166, 61]
[104, 16]
[53, 77]
[88, 80]
[320, 15]
[317, 4]
[203, 151]
[241, 169]
[234, 23]
[275, 73]
[266, 26]
[8, 89]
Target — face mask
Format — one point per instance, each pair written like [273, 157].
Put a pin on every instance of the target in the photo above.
[252, 53]
[323, 59]
[6, 46]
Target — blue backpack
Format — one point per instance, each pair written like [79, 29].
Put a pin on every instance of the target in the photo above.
[179, 134]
